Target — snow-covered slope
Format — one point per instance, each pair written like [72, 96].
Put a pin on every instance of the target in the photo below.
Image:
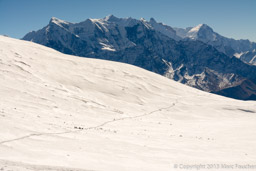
[61, 112]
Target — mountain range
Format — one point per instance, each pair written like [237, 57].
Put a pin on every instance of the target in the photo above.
[243, 49]
[196, 56]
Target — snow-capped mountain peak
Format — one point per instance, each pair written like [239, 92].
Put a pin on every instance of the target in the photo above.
[201, 31]
[229, 46]
[200, 27]
[196, 29]
[143, 19]
[111, 18]
[58, 21]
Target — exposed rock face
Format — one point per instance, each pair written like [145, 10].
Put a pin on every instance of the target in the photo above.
[248, 57]
[152, 46]
[245, 90]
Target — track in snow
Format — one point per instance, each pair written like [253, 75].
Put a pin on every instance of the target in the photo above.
[88, 128]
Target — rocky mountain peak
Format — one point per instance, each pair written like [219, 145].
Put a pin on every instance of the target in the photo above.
[57, 21]
[152, 20]
[201, 27]
[111, 18]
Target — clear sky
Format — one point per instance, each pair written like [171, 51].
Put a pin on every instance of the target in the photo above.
[230, 18]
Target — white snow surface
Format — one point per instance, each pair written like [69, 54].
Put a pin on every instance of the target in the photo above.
[196, 29]
[238, 55]
[58, 21]
[130, 119]
[107, 47]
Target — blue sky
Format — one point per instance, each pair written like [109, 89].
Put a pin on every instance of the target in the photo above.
[231, 18]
